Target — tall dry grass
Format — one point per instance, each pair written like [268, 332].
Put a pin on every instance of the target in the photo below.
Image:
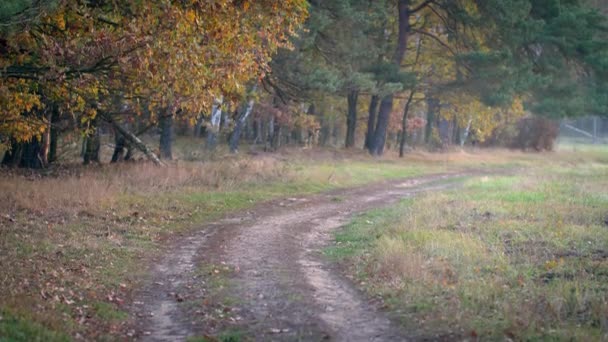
[89, 188]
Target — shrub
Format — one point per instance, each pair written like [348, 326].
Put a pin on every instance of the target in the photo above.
[531, 132]
[536, 133]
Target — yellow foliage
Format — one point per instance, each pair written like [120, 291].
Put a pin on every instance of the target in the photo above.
[173, 54]
[468, 110]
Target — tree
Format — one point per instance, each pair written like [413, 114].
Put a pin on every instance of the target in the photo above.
[405, 10]
[177, 55]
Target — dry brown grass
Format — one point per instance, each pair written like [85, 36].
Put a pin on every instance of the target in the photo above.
[92, 188]
[74, 237]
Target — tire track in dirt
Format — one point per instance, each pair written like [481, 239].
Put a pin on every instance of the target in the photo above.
[287, 291]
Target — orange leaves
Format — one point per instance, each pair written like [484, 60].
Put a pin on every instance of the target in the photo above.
[170, 53]
[190, 16]
[207, 48]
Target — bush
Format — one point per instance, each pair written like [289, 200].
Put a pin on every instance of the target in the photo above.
[528, 133]
[536, 133]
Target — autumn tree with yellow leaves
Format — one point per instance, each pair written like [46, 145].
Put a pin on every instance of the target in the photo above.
[85, 62]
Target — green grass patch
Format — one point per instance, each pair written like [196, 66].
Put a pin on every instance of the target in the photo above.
[108, 312]
[16, 329]
[225, 336]
[360, 234]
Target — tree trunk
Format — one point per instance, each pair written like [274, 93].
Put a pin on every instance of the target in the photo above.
[371, 120]
[276, 137]
[166, 135]
[92, 145]
[46, 139]
[248, 131]
[351, 118]
[379, 138]
[135, 141]
[214, 129]
[403, 137]
[335, 133]
[236, 134]
[324, 131]
[465, 136]
[432, 106]
[122, 142]
[24, 154]
[12, 157]
[269, 134]
[455, 132]
[198, 127]
[53, 135]
[386, 105]
[258, 129]
[444, 132]
[119, 148]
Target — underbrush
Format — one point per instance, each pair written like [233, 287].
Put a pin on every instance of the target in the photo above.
[523, 257]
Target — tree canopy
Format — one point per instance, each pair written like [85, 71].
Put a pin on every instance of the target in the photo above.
[480, 60]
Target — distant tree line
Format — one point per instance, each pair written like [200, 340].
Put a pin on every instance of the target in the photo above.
[418, 72]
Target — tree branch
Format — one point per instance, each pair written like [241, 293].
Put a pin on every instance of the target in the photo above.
[421, 6]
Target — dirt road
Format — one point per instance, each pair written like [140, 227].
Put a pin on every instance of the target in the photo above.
[276, 286]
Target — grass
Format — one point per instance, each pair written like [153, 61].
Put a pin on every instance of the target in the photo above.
[226, 336]
[16, 329]
[76, 240]
[523, 257]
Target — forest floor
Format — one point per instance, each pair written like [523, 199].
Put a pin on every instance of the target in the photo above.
[229, 249]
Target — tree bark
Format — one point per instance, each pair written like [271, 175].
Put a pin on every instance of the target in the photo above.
[122, 144]
[12, 157]
[465, 136]
[444, 132]
[386, 105]
[269, 134]
[54, 135]
[24, 154]
[324, 132]
[198, 127]
[216, 117]
[135, 141]
[236, 133]
[455, 132]
[166, 135]
[276, 137]
[46, 139]
[371, 120]
[403, 136]
[92, 145]
[432, 105]
[258, 129]
[379, 138]
[119, 148]
[351, 118]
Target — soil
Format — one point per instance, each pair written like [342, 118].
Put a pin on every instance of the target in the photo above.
[261, 274]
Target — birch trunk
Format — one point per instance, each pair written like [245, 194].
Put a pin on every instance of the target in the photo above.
[236, 134]
[216, 117]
